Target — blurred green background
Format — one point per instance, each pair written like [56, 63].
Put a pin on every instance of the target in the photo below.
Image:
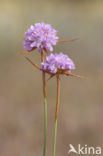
[21, 100]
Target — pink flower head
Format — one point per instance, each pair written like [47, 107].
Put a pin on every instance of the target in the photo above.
[58, 63]
[41, 36]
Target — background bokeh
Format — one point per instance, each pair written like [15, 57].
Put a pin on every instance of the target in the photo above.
[21, 100]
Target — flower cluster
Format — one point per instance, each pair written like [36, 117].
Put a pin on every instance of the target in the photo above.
[41, 36]
[57, 63]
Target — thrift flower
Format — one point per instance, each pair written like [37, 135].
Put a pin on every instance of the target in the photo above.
[58, 63]
[44, 37]
[41, 36]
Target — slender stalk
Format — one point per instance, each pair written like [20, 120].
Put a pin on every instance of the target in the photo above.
[56, 114]
[45, 106]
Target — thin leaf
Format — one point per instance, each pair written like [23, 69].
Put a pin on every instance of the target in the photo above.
[26, 51]
[62, 41]
[35, 65]
[74, 75]
[22, 52]
[51, 76]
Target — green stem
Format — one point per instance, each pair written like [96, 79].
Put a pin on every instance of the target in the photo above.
[55, 133]
[45, 107]
[56, 114]
[45, 126]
